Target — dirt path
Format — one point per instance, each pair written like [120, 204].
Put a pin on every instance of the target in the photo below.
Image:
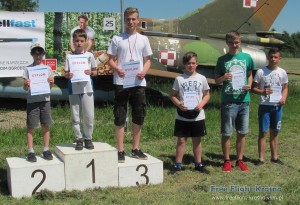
[12, 119]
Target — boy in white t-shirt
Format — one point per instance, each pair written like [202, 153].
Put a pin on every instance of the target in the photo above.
[271, 83]
[81, 89]
[190, 94]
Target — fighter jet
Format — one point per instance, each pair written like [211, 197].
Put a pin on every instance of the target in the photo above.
[202, 31]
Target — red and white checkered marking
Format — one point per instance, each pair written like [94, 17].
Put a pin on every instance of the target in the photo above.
[168, 58]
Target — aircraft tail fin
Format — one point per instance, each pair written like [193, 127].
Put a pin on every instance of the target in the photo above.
[221, 16]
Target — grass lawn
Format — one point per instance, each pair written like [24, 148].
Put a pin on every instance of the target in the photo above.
[267, 184]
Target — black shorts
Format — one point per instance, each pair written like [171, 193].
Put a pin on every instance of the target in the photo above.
[190, 129]
[136, 97]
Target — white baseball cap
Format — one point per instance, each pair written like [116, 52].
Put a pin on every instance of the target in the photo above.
[36, 45]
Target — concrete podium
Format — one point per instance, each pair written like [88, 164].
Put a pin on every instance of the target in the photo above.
[79, 170]
[89, 168]
[26, 178]
[136, 172]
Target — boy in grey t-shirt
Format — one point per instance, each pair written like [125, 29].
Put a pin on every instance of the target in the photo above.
[38, 105]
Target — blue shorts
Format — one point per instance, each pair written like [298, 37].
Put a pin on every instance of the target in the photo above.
[269, 116]
[234, 115]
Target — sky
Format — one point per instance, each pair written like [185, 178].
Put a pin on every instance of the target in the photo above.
[164, 9]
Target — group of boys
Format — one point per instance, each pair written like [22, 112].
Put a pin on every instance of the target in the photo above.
[190, 93]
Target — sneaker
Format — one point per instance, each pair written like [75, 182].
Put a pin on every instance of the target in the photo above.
[137, 153]
[277, 161]
[241, 165]
[175, 170]
[88, 144]
[202, 169]
[259, 163]
[79, 144]
[31, 157]
[227, 166]
[47, 155]
[121, 157]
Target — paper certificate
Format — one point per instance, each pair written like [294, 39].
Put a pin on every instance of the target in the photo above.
[190, 100]
[39, 80]
[78, 64]
[238, 80]
[131, 69]
[276, 95]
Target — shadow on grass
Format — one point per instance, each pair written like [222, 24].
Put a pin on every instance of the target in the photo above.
[3, 182]
[219, 157]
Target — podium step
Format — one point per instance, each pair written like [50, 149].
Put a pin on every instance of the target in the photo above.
[135, 172]
[26, 178]
[89, 168]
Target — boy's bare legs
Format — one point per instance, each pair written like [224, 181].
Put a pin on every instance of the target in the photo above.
[240, 145]
[273, 143]
[29, 136]
[180, 149]
[120, 131]
[262, 145]
[197, 149]
[225, 141]
[240, 148]
[31, 155]
[136, 135]
[46, 135]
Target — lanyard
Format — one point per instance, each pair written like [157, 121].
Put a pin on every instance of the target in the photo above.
[131, 59]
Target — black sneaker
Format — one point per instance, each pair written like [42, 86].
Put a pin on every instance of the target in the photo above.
[31, 157]
[138, 154]
[79, 144]
[277, 161]
[47, 155]
[175, 170]
[202, 169]
[259, 163]
[88, 144]
[121, 157]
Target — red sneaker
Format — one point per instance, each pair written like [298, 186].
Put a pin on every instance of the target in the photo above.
[241, 165]
[227, 166]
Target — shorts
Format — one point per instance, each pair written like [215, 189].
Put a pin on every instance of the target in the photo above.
[39, 112]
[190, 128]
[136, 97]
[269, 116]
[234, 115]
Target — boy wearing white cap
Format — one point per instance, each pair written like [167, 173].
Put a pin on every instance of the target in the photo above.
[38, 100]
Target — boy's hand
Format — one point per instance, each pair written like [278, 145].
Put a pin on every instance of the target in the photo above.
[267, 91]
[51, 80]
[88, 72]
[141, 75]
[247, 87]
[182, 107]
[227, 76]
[68, 75]
[27, 83]
[121, 73]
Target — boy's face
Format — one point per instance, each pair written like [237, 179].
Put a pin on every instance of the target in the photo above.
[233, 45]
[79, 44]
[131, 21]
[37, 57]
[190, 67]
[274, 59]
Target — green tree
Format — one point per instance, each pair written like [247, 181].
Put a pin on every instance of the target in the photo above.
[19, 5]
